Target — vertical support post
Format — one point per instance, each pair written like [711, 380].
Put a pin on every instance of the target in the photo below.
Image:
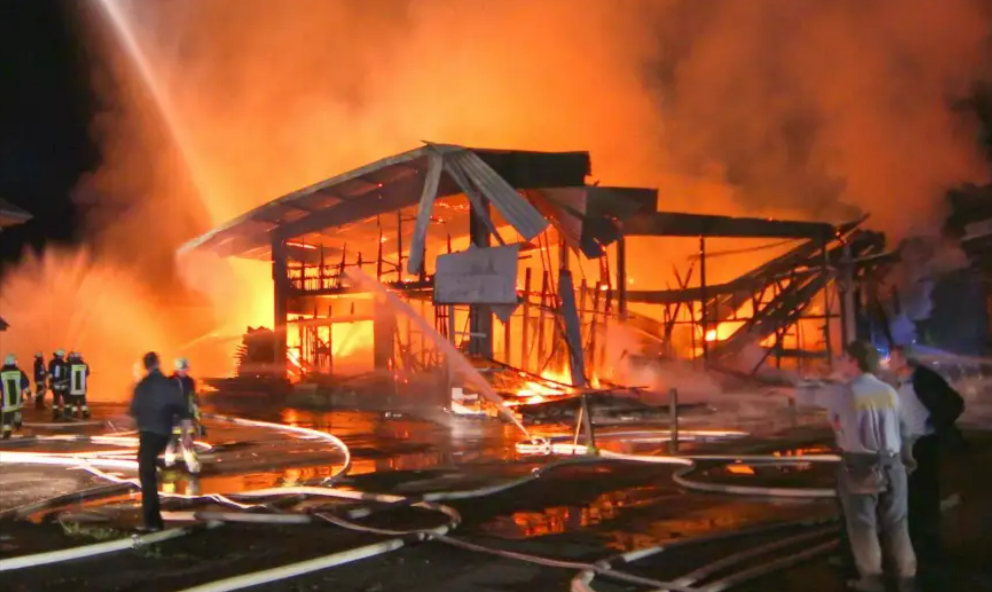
[321, 272]
[573, 343]
[453, 339]
[702, 297]
[594, 326]
[480, 316]
[673, 418]
[506, 341]
[826, 300]
[848, 329]
[378, 259]
[280, 281]
[383, 334]
[399, 245]
[559, 334]
[622, 276]
[330, 339]
[540, 323]
[525, 329]
[583, 298]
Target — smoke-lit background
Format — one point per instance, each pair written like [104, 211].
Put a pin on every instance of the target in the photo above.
[792, 108]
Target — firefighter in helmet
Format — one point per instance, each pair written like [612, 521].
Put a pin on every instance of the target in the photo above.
[79, 375]
[40, 380]
[14, 388]
[182, 438]
[58, 381]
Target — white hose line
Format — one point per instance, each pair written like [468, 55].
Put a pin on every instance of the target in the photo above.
[750, 490]
[770, 567]
[312, 565]
[706, 571]
[526, 557]
[316, 434]
[124, 544]
[582, 582]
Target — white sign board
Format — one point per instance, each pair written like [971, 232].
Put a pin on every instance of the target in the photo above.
[477, 276]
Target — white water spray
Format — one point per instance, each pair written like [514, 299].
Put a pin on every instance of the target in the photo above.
[455, 357]
[125, 32]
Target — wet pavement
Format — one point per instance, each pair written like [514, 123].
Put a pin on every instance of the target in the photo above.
[582, 512]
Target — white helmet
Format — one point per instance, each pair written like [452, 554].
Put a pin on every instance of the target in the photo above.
[59, 353]
[182, 364]
[10, 360]
[39, 355]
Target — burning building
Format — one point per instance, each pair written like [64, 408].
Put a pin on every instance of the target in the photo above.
[484, 245]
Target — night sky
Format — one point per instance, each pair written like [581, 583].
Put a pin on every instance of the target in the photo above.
[46, 105]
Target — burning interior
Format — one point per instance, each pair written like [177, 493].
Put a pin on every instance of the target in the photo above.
[514, 259]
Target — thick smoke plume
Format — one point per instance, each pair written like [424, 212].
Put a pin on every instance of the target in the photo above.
[792, 107]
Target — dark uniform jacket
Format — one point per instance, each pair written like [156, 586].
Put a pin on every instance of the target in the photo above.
[40, 371]
[158, 404]
[58, 373]
[943, 402]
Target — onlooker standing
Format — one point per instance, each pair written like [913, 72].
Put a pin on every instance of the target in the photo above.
[157, 406]
[871, 484]
[930, 408]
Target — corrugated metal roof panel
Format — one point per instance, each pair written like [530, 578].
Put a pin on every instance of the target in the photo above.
[516, 210]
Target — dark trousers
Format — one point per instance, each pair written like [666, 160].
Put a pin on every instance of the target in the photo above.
[150, 447]
[59, 399]
[924, 500]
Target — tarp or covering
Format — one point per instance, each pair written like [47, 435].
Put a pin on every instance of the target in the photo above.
[11, 215]
[383, 187]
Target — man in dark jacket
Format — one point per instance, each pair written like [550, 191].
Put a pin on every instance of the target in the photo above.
[931, 407]
[40, 380]
[58, 377]
[157, 406]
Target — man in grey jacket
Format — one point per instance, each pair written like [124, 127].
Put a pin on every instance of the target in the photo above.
[157, 406]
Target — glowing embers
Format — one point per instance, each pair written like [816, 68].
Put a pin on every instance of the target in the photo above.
[553, 387]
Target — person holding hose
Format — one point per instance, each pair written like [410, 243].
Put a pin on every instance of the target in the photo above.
[58, 378]
[871, 482]
[931, 409]
[182, 439]
[40, 380]
[157, 406]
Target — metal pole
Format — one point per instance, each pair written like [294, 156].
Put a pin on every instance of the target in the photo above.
[673, 415]
[846, 284]
[826, 301]
[280, 280]
[702, 296]
[622, 276]
[525, 329]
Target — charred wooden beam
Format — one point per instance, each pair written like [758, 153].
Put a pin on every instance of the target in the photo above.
[695, 225]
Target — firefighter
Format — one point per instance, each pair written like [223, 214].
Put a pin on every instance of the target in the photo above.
[14, 388]
[79, 374]
[58, 381]
[40, 380]
[182, 437]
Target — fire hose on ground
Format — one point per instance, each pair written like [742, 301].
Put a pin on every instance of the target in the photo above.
[428, 501]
